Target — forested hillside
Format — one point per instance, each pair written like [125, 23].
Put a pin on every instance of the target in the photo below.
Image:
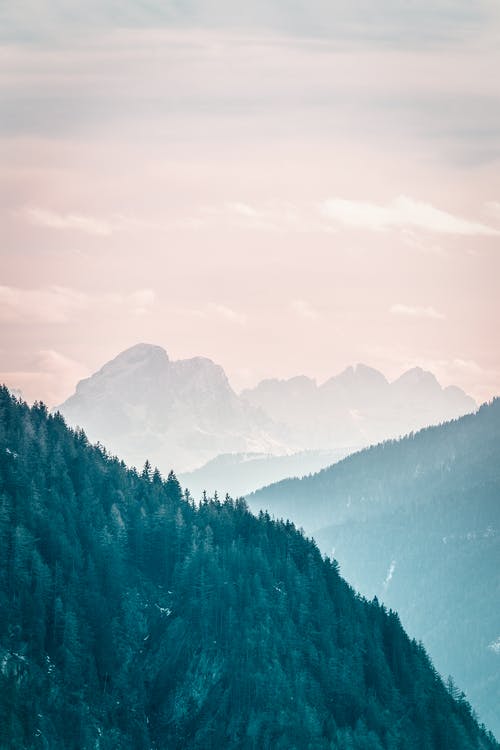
[132, 619]
[416, 522]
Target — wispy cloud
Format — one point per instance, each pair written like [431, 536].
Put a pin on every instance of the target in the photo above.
[48, 372]
[388, 21]
[79, 222]
[238, 214]
[424, 244]
[305, 310]
[467, 365]
[142, 301]
[270, 216]
[417, 312]
[53, 304]
[411, 217]
[244, 209]
[401, 213]
[57, 304]
[493, 209]
[229, 314]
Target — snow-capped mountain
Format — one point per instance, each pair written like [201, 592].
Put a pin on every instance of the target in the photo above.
[182, 414]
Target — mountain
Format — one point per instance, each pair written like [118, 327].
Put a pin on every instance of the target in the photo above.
[133, 619]
[241, 473]
[359, 406]
[183, 414]
[416, 522]
[143, 405]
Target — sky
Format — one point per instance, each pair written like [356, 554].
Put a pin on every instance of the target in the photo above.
[284, 187]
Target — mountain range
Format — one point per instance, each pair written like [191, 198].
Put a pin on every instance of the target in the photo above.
[183, 414]
[359, 406]
[131, 618]
[416, 522]
[177, 414]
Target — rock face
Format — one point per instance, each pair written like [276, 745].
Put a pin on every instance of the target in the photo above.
[176, 413]
[182, 414]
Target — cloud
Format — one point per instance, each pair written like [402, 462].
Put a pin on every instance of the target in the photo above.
[244, 209]
[239, 214]
[388, 21]
[49, 372]
[423, 245]
[416, 312]
[57, 304]
[270, 216]
[229, 314]
[304, 310]
[401, 213]
[409, 216]
[467, 366]
[53, 304]
[493, 209]
[52, 220]
[142, 301]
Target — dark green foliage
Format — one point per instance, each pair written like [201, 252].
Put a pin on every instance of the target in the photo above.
[131, 619]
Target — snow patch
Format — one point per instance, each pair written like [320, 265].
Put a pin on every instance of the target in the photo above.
[164, 610]
[117, 515]
[390, 572]
[495, 646]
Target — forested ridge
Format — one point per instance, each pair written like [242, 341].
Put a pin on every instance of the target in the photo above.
[133, 619]
[395, 473]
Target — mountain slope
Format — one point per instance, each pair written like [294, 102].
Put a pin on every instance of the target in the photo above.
[134, 619]
[416, 522]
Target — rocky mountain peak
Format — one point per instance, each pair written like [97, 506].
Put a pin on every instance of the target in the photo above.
[417, 376]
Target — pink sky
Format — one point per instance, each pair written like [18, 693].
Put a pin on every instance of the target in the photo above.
[282, 203]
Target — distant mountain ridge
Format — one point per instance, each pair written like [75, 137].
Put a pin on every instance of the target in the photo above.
[183, 414]
[359, 404]
[240, 473]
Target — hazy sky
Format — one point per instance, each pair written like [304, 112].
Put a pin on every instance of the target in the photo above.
[285, 187]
